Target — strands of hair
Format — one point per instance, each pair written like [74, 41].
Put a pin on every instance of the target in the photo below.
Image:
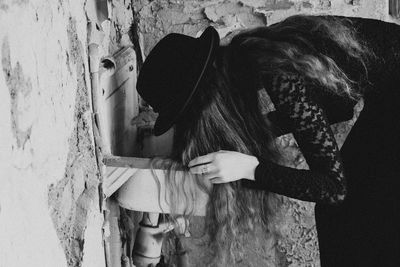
[213, 122]
[299, 45]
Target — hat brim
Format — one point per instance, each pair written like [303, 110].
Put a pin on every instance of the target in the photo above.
[210, 40]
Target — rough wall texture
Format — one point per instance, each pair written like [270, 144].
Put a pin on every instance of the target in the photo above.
[48, 170]
[49, 196]
[297, 244]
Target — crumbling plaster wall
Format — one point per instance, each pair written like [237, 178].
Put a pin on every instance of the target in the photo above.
[159, 17]
[49, 179]
[298, 245]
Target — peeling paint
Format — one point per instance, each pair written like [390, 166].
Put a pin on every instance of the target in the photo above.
[229, 14]
[269, 5]
[75, 45]
[307, 5]
[19, 88]
[70, 199]
[325, 4]
[352, 2]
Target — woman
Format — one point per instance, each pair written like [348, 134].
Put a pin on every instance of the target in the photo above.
[314, 68]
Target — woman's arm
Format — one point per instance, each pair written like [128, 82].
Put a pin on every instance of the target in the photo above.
[324, 182]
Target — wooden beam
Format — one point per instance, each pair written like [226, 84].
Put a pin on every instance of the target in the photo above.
[131, 162]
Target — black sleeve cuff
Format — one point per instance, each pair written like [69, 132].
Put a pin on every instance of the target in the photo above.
[261, 175]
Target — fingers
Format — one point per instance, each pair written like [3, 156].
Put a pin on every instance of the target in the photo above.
[208, 173]
[214, 178]
[205, 159]
[202, 169]
[217, 180]
[210, 176]
[201, 160]
[207, 168]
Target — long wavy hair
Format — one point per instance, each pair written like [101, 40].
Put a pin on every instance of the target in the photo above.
[217, 120]
[225, 114]
[309, 46]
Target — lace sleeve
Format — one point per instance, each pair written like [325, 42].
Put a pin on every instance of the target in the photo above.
[325, 181]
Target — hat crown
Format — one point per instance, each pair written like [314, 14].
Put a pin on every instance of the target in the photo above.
[172, 71]
[170, 64]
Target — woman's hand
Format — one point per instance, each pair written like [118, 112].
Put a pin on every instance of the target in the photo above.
[224, 166]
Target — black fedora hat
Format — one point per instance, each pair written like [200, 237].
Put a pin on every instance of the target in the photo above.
[172, 73]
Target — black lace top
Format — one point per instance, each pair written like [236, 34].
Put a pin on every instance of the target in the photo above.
[325, 181]
[308, 113]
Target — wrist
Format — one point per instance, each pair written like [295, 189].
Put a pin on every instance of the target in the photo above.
[253, 163]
